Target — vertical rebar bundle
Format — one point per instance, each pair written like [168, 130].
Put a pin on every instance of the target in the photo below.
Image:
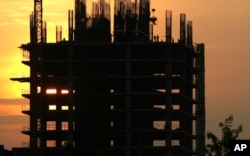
[92, 21]
[189, 34]
[168, 26]
[70, 25]
[182, 28]
[131, 21]
[38, 18]
[32, 28]
[58, 33]
[44, 32]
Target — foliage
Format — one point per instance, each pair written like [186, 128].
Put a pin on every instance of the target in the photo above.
[220, 147]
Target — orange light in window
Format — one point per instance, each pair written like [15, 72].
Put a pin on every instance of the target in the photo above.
[51, 91]
[64, 91]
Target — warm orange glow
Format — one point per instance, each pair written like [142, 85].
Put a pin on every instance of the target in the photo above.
[176, 107]
[50, 143]
[175, 125]
[159, 124]
[38, 89]
[51, 125]
[8, 110]
[51, 91]
[161, 90]
[159, 143]
[175, 91]
[64, 91]
[159, 106]
[175, 142]
[65, 125]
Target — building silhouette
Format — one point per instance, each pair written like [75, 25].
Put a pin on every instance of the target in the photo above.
[113, 93]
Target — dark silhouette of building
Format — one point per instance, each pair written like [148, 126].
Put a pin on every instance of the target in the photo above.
[124, 94]
[4, 152]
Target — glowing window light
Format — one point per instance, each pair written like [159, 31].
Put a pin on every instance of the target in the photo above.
[159, 124]
[51, 125]
[175, 90]
[50, 143]
[175, 142]
[52, 107]
[159, 143]
[64, 91]
[38, 89]
[51, 91]
[176, 107]
[65, 107]
[65, 125]
[161, 90]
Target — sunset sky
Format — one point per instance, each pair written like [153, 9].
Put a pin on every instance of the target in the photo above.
[222, 25]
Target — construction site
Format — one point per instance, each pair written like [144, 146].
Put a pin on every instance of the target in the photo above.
[113, 88]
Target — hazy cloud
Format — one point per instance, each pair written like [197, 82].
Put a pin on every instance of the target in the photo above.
[14, 120]
[14, 101]
[14, 9]
[10, 131]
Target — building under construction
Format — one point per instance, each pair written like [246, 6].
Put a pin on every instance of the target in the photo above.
[116, 93]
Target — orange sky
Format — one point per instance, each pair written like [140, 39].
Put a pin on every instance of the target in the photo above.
[223, 25]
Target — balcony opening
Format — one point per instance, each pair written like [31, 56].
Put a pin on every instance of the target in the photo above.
[194, 109]
[176, 91]
[50, 143]
[175, 125]
[51, 125]
[38, 89]
[194, 93]
[159, 125]
[175, 142]
[160, 106]
[111, 142]
[38, 124]
[112, 107]
[111, 123]
[38, 142]
[64, 143]
[161, 90]
[65, 126]
[159, 143]
[159, 74]
[176, 107]
[194, 127]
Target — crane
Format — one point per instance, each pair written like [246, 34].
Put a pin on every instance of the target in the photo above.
[38, 19]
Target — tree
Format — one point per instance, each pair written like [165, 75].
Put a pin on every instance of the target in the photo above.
[220, 147]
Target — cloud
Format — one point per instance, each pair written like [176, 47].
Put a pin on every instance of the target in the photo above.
[10, 131]
[13, 101]
[14, 120]
[11, 10]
